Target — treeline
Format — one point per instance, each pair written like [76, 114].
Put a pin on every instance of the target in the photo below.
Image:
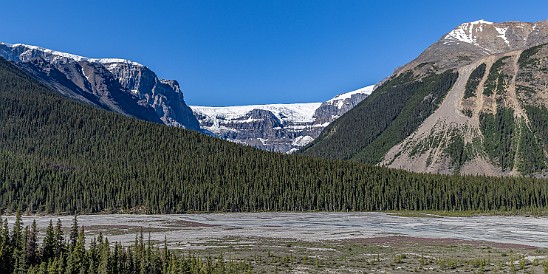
[21, 252]
[385, 118]
[60, 156]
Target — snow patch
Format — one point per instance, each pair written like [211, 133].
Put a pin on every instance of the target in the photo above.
[467, 32]
[339, 99]
[302, 141]
[502, 34]
[77, 58]
[84, 73]
[481, 21]
[293, 150]
[263, 141]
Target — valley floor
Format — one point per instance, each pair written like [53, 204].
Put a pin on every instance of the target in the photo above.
[337, 241]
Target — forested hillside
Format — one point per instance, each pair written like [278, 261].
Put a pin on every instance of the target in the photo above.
[385, 118]
[61, 156]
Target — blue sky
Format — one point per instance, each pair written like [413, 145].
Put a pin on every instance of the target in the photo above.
[254, 52]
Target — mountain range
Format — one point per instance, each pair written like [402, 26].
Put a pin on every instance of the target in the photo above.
[130, 88]
[62, 156]
[276, 127]
[464, 106]
[474, 102]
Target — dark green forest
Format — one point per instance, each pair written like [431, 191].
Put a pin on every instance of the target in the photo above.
[21, 252]
[61, 156]
[474, 81]
[386, 117]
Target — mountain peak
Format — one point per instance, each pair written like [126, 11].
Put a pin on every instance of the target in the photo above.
[472, 40]
[473, 32]
[481, 21]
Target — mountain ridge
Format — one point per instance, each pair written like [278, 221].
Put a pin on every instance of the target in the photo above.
[114, 84]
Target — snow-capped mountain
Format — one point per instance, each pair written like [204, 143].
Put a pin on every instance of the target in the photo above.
[118, 85]
[276, 127]
[474, 102]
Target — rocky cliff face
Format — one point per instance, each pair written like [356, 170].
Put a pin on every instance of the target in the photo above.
[339, 105]
[475, 102]
[118, 85]
[277, 127]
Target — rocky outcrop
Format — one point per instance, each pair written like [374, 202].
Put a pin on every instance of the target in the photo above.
[118, 85]
[339, 105]
[277, 127]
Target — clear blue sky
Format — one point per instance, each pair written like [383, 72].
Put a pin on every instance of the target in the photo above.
[235, 52]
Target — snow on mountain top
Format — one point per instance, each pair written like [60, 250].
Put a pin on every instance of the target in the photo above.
[464, 33]
[467, 32]
[365, 90]
[115, 60]
[303, 112]
[75, 57]
[481, 21]
[286, 112]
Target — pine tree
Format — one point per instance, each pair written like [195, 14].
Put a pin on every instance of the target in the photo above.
[104, 263]
[17, 236]
[49, 243]
[59, 239]
[6, 250]
[79, 251]
[73, 237]
[31, 250]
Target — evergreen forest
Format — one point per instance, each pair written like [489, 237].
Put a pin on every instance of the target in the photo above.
[64, 157]
[22, 252]
[385, 118]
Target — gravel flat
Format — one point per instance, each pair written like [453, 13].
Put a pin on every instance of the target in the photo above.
[184, 230]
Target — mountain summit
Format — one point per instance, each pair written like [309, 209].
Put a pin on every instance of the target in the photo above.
[473, 40]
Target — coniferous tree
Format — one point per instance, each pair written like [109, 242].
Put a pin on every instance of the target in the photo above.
[49, 243]
[6, 250]
[73, 236]
[31, 246]
[59, 239]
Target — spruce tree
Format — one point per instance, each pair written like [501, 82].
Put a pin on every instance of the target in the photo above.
[59, 239]
[49, 243]
[73, 236]
[31, 247]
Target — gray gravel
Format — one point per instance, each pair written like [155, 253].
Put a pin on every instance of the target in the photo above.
[187, 230]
